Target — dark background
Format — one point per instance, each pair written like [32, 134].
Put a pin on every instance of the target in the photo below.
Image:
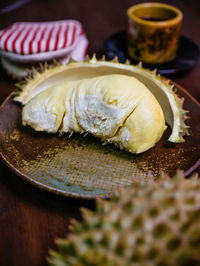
[30, 219]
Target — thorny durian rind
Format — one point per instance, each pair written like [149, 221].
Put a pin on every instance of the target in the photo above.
[163, 90]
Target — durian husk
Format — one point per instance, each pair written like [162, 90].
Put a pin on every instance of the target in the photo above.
[163, 89]
[155, 223]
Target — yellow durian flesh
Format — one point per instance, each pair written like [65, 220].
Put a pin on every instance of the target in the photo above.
[143, 128]
[117, 108]
[45, 111]
[103, 103]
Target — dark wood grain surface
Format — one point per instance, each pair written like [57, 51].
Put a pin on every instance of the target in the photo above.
[30, 219]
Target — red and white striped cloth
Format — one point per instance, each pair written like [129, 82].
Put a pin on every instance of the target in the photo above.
[32, 42]
[30, 38]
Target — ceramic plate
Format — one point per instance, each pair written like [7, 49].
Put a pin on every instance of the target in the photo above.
[80, 166]
[187, 55]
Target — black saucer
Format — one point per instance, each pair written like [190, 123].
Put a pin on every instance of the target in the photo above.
[187, 54]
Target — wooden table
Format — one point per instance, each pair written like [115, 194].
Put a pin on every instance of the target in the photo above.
[30, 219]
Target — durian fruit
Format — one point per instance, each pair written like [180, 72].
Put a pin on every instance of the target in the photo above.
[117, 108]
[154, 223]
[162, 89]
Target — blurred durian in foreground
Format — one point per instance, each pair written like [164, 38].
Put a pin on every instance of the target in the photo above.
[155, 223]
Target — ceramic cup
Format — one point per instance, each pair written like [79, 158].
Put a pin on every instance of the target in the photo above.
[153, 32]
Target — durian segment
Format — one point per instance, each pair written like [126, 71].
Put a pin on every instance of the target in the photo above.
[104, 106]
[45, 112]
[103, 103]
[156, 222]
[140, 130]
[171, 104]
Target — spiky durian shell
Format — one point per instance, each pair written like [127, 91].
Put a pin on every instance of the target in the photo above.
[162, 89]
[155, 223]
